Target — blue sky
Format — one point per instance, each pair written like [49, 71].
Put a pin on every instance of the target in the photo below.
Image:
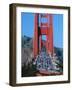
[27, 27]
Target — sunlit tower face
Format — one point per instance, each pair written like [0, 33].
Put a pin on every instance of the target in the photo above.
[43, 26]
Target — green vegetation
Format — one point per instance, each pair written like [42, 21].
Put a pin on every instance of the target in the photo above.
[29, 70]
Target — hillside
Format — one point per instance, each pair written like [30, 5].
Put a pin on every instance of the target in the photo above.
[27, 55]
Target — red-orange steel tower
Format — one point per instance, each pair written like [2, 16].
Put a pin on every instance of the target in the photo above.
[43, 28]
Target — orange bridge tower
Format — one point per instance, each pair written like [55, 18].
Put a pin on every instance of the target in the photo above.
[42, 27]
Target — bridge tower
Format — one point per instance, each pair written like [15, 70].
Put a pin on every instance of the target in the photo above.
[43, 25]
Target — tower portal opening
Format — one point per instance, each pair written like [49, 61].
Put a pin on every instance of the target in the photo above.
[42, 43]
